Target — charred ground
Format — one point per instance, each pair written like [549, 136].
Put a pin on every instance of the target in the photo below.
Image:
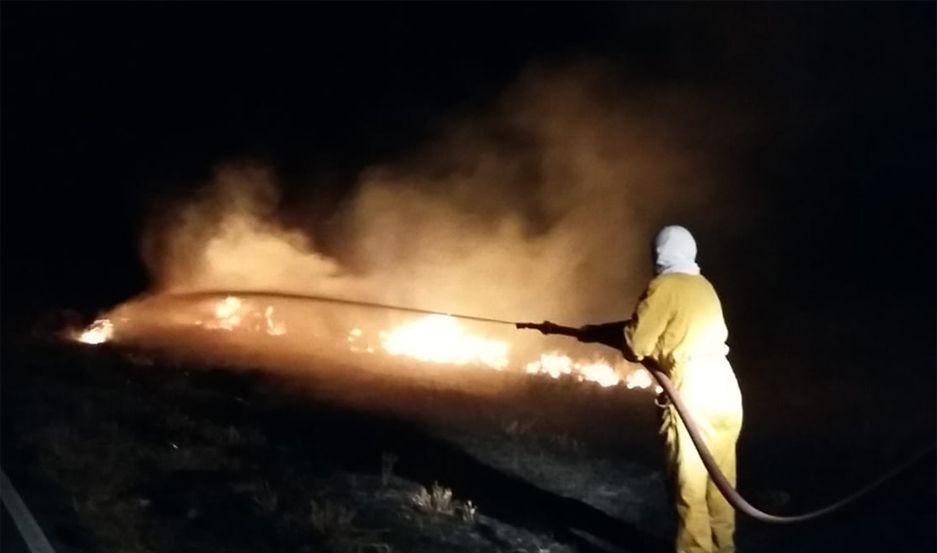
[133, 451]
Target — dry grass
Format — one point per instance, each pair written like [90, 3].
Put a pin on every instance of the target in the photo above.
[439, 501]
[333, 524]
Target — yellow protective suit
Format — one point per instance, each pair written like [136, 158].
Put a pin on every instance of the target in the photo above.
[679, 324]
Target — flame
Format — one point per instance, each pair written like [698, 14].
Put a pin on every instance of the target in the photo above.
[226, 314]
[273, 328]
[641, 379]
[100, 331]
[599, 372]
[557, 364]
[553, 364]
[440, 339]
[432, 339]
[231, 313]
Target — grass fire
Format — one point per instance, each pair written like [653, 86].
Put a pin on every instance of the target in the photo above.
[405, 278]
[435, 339]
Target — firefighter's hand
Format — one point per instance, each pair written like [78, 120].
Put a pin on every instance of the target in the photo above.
[630, 356]
[546, 327]
[607, 334]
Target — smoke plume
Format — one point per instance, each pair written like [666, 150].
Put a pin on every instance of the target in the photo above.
[542, 206]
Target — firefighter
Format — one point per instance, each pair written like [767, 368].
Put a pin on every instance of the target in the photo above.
[678, 324]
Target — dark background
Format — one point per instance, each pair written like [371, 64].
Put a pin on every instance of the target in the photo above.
[108, 107]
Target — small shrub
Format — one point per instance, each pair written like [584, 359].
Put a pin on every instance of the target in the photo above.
[439, 501]
[468, 511]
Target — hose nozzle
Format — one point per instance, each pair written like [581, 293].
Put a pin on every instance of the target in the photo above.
[546, 327]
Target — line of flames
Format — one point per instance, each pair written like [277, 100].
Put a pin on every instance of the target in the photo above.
[431, 339]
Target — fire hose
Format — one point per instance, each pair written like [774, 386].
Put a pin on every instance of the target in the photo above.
[732, 495]
[719, 479]
[207, 294]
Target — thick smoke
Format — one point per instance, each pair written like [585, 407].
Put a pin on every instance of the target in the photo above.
[541, 207]
[229, 238]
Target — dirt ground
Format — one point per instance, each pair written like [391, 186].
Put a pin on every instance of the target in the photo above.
[120, 450]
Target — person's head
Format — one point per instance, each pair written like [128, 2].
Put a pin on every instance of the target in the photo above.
[675, 251]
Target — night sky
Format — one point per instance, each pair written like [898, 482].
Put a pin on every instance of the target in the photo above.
[106, 108]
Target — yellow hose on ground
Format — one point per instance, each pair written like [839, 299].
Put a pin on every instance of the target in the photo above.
[732, 495]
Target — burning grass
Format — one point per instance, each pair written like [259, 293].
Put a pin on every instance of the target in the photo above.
[272, 334]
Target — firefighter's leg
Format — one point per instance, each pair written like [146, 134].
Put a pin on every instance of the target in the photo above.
[690, 478]
[721, 513]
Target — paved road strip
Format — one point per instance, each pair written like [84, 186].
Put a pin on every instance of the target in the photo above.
[32, 534]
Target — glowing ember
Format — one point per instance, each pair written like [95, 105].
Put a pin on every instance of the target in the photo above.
[440, 339]
[639, 378]
[99, 332]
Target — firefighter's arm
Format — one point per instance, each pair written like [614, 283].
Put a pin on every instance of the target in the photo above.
[608, 334]
[643, 331]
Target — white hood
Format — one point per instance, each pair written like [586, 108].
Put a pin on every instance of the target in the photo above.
[675, 251]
